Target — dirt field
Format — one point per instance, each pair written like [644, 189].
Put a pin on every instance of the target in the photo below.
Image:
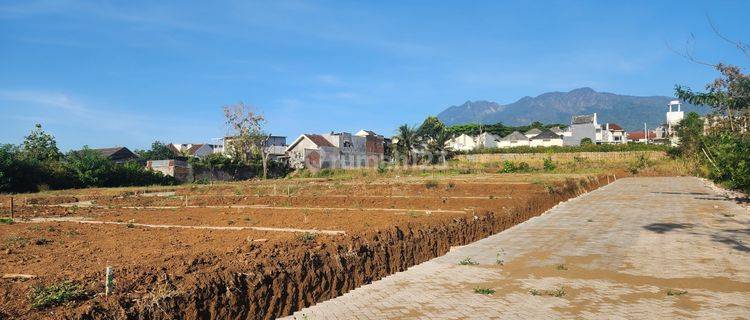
[251, 249]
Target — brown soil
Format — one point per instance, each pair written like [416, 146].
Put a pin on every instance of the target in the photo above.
[218, 274]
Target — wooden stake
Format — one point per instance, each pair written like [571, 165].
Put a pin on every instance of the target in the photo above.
[11, 208]
[108, 281]
[186, 201]
[607, 179]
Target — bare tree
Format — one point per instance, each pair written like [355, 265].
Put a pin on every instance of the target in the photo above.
[246, 134]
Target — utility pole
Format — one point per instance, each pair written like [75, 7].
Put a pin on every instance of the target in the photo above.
[645, 132]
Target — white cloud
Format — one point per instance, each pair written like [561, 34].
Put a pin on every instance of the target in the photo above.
[50, 99]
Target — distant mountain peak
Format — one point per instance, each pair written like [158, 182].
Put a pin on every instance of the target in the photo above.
[558, 107]
[583, 90]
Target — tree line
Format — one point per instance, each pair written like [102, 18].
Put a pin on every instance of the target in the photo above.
[37, 164]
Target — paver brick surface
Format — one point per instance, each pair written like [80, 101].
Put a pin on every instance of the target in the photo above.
[637, 248]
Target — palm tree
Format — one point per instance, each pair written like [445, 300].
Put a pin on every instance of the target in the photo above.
[407, 139]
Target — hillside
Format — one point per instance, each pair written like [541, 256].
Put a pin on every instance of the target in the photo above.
[557, 107]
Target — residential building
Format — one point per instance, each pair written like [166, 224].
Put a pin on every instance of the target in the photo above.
[375, 147]
[117, 154]
[546, 138]
[341, 150]
[582, 127]
[486, 140]
[463, 142]
[515, 139]
[532, 132]
[612, 133]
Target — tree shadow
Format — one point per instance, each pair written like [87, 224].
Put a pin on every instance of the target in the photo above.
[734, 243]
[742, 231]
[666, 227]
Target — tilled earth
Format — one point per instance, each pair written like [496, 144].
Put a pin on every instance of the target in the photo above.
[254, 250]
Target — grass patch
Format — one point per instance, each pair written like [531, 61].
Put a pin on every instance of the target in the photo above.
[55, 294]
[130, 225]
[6, 221]
[558, 293]
[308, 237]
[561, 267]
[468, 261]
[484, 291]
[675, 292]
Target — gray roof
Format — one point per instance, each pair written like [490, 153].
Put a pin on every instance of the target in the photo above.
[515, 136]
[556, 130]
[534, 131]
[546, 134]
[583, 119]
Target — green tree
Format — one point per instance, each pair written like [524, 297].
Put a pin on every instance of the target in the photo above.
[40, 145]
[690, 133]
[158, 151]
[430, 128]
[89, 167]
[586, 142]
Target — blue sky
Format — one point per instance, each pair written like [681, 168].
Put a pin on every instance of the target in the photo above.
[131, 72]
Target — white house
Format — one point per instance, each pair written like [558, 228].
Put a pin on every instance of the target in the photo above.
[546, 139]
[532, 132]
[612, 133]
[515, 139]
[463, 142]
[486, 140]
[313, 151]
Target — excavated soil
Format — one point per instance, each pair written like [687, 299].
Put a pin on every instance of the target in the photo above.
[251, 255]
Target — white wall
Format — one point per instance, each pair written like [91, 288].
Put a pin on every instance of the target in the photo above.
[546, 142]
[510, 144]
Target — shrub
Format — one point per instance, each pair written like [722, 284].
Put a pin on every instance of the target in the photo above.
[549, 165]
[638, 164]
[508, 167]
[308, 237]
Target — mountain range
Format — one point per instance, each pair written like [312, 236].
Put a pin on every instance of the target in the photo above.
[630, 112]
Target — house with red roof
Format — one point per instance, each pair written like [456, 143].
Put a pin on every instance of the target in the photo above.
[640, 136]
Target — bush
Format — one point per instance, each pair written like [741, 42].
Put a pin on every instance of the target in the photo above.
[730, 160]
[549, 165]
[638, 164]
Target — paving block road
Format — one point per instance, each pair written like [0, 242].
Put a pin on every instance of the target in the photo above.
[639, 248]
